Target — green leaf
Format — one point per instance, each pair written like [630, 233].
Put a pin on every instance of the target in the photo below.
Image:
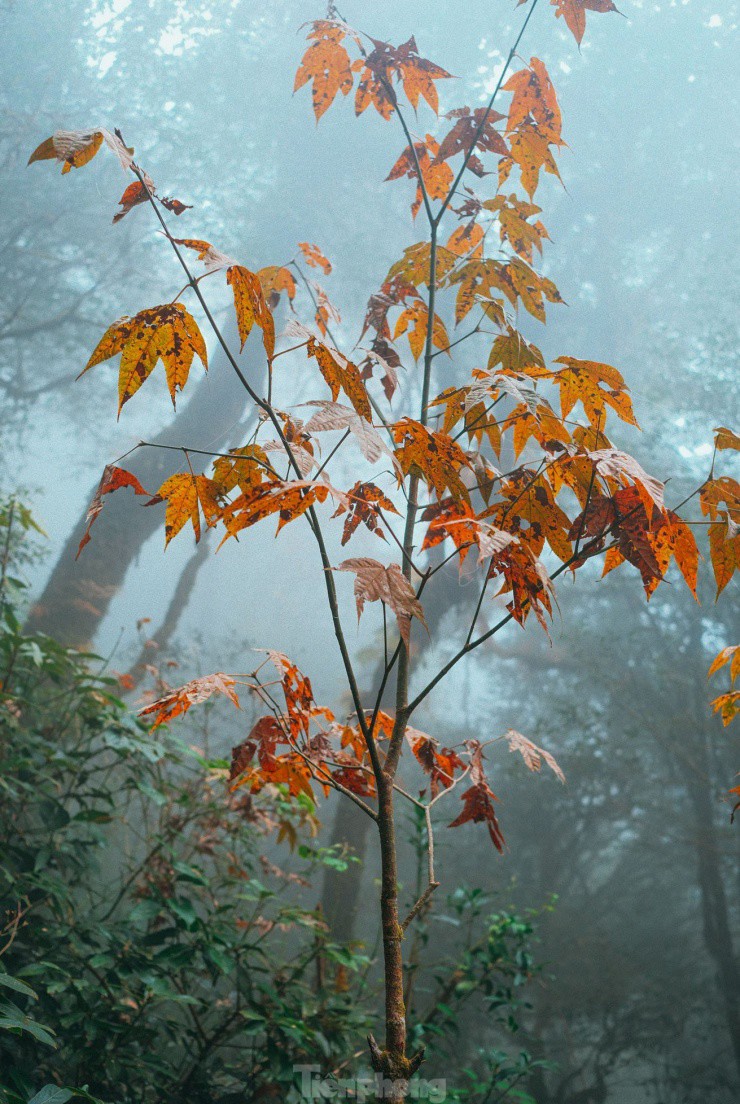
[190, 873]
[51, 1094]
[221, 961]
[185, 911]
[13, 983]
[11, 1021]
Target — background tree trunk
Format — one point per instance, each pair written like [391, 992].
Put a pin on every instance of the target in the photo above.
[78, 593]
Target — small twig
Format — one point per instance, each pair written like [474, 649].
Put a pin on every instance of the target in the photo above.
[458, 341]
[419, 905]
[433, 883]
[336, 448]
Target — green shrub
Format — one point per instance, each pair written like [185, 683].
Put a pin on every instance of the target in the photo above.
[149, 952]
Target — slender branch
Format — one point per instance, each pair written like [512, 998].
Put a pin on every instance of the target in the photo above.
[446, 560]
[455, 781]
[432, 883]
[336, 449]
[457, 341]
[419, 906]
[404, 657]
[407, 558]
[412, 147]
[479, 604]
[204, 452]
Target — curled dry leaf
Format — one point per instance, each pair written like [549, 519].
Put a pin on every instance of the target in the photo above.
[613, 464]
[75, 148]
[304, 459]
[113, 479]
[332, 416]
[387, 362]
[478, 801]
[277, 279]
[135, 194]
[176, 206]
[532, 755]
[728, 707]
[731, 655]
[726, 439]
[374, 582]
[440, 763]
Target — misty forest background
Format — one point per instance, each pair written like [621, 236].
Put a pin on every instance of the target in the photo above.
[631, 868]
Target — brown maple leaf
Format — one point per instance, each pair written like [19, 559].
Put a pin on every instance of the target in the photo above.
[376, 582]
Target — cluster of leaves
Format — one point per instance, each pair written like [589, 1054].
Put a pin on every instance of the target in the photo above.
[474, 999]
[727, 705]
[303, 747]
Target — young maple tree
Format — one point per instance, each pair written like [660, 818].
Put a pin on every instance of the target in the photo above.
[433, 473]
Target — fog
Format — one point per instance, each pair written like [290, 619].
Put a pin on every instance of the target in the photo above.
[637, 1006]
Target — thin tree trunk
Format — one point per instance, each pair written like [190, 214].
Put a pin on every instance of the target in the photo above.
[341, 892]
[392, 1062]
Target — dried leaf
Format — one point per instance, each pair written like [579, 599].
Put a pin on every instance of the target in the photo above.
[731, 655]
[365, 499]
[326, 64]
[374, 582]
[192, 693]
[111, 480]
[313, 256]
[574, 13]
[186, 495]
[531, 754]
[75, 148]
[478, 803]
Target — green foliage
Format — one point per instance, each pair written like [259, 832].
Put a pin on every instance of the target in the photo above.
[150, 952]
